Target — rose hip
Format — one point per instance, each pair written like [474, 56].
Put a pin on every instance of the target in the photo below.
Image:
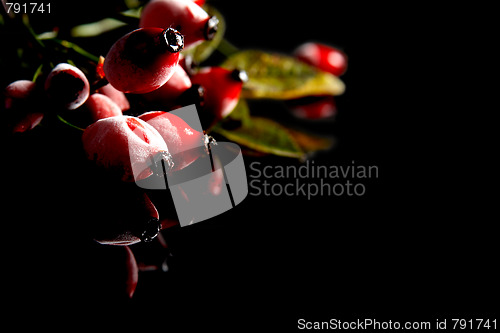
[143, 60]
[19, 100]
[101, 106]
[222, 89]
[116, 96]
[18, 90]
[125, 145]
[182, 140]
[184, 15]
[67, 86]
[178, 90]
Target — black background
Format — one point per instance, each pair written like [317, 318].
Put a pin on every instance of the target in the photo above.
[420, 243]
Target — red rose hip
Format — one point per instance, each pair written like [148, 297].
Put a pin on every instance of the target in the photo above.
[143, 60]
[178, 90]
[125, 145]
[184, 15]
[324, 57]
[222, 89]
[184, 142]
[116, 96]
[67, 86]
[101, 106]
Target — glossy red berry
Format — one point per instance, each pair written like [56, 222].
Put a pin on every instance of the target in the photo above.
[67, 86]
[125, 145]
[324, 57]
[116, 96]
[143, 60]
[184, 15]
[222, 89]
[313, 107]
[183, 142]
[178, 90]
[199, 2]
[101, 106]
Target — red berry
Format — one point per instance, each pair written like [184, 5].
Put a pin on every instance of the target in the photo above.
[222, 89]
[20, 100]
[20, 89]
[324, 57]
[313, 107]
[101, 106]
[67, 86]
[170, 93]
[126, 145]
[183, 142]
[143, 60]
[116, 95]
[184, 15]
[199, 2]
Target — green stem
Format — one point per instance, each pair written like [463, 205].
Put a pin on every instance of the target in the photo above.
[226, 48]
[69, 124]
[26, 22]
[76, 48]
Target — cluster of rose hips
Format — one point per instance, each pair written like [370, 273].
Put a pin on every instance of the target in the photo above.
[146, 65]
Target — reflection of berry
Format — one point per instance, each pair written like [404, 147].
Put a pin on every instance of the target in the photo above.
[101, 106]
[184, 142]
[113, 272]
[67, 86]
[126, 145]
[184, 15]
[28, 122]
[326, 58]
[122, 214]
[313, 107]
[143, 60]
[222, 89]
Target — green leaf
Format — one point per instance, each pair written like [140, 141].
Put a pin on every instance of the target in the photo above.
[202, 51]
[278, 76]
[260, 134]
[96, 28]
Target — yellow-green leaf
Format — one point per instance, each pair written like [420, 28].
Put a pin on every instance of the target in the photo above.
[278, 76]
[260, 134]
